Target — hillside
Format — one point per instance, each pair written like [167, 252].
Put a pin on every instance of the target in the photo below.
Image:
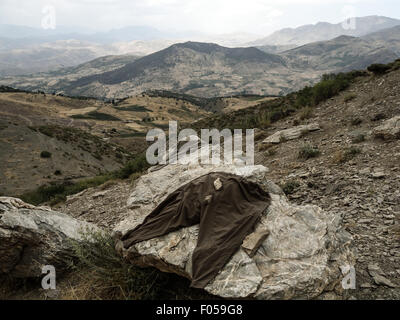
[344, 53]
[81, 138]
[389, 38]
[353, 174]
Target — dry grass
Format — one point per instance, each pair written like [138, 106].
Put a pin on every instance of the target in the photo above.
[99, 273]
[306, 113]
[349, 97]
[342, 156]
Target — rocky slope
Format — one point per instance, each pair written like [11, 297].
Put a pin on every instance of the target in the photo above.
[355, 175]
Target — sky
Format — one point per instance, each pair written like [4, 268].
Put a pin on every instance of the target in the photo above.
[260, 17]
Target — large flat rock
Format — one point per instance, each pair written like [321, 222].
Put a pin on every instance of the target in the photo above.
[390, 129]
[291, 133]
[31, 237]
[299, 249]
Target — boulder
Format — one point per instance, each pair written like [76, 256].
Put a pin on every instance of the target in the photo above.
[291, 134]
[390, 129]
[296, 252]
[31, 237]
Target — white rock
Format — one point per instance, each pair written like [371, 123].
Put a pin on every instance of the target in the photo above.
[300, 258]
[390, 129]
[31, 237]
[291, 134]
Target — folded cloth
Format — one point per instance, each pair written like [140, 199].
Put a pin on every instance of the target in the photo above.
[226, 215]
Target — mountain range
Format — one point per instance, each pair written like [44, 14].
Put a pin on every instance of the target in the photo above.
[210, 70]
[355, 27]
[205, 69]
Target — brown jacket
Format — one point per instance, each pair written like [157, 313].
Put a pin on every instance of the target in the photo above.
[227, 208]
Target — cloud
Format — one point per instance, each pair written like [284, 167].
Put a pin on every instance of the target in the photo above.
[212, 16]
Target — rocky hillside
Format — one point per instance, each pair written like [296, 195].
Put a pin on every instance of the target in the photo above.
[348, 164]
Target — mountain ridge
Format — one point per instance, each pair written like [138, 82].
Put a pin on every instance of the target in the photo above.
[323, 31]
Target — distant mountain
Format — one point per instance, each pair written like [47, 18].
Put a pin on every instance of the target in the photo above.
[18, 57]
[63, 33]
[326, 31]
[202, 69]
[49, 56]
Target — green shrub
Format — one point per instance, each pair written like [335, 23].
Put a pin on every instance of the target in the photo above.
[329, 87]
[55, 193]
[134, 108]
[356, 121]
[352, 152]
[306, 113]
[358, 138]
[139, 164]
[45, 154]
[379, 69]
[307, 152]
[379, 116]
[290, 187]
[95, 115]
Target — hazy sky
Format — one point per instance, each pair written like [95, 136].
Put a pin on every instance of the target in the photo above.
[210, 16]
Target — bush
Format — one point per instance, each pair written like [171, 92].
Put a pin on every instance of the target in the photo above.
[358, 138]
[290, 187]
[350, 96]
[356, 121]
[330, 86]
[95, 115]
[307, 152]
[343, 156]
[139, 164]
[306, 113]
[378, 117]
[56, 193]
[379, 69]
[45, 154]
